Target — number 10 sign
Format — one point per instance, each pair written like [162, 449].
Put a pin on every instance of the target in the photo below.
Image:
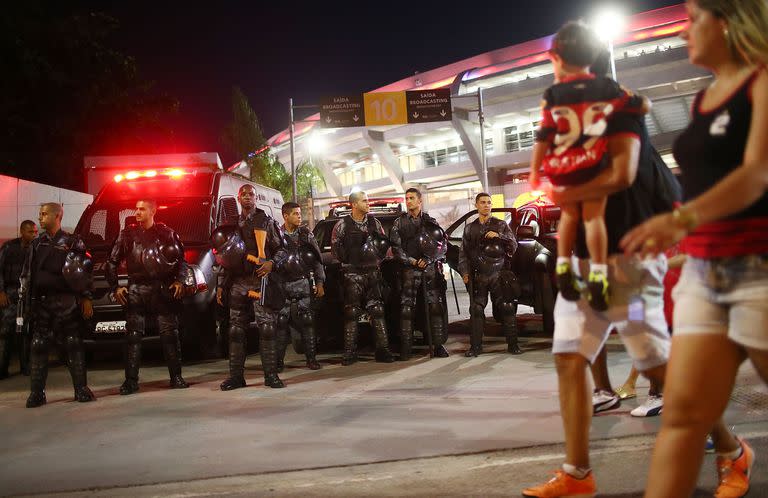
[387, 108]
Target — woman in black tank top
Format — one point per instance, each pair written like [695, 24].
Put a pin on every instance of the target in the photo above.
[723, 155]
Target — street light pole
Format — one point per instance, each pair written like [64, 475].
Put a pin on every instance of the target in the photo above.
[483, 157]
[613, 59]
[293, 161]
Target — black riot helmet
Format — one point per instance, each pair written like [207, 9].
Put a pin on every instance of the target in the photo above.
[160, 259]
[432, 242]
[492, 250]
[309, 256]
[381, 244]
[228, 248]
[78, 270]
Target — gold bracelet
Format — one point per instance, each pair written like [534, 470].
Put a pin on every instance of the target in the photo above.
[685, 218]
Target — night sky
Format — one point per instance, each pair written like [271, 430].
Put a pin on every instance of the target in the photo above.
[281, 49]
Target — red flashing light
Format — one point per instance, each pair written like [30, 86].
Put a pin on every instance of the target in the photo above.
[173, 174]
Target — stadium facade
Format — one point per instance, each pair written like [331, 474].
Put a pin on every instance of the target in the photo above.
[444, 158]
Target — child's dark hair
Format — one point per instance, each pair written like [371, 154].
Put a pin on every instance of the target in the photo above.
[577, 44]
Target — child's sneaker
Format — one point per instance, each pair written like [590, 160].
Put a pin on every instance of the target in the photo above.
[566, 282]
[598, 291]
[564, 485]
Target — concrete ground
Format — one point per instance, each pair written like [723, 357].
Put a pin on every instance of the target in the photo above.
[451, 427]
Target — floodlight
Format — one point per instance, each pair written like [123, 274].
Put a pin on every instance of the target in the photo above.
[608, 24]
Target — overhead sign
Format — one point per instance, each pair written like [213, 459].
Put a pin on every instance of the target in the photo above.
[425, 106]
[341, 111]
[386, 108]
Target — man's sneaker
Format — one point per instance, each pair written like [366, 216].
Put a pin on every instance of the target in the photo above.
[734, 474]
[652, 407]
[598, 291]
[566, 282]
[564, 485]
[603, 400]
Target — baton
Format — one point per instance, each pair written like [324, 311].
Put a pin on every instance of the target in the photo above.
[427, 318]
[20, 314]
[455, 296]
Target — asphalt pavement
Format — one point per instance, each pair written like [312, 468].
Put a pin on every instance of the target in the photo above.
[485, 426]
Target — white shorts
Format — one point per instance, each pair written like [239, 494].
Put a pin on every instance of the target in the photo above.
[636, 311]
[725, 297]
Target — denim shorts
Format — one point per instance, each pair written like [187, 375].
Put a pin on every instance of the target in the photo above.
[636, 311]
[726, 296]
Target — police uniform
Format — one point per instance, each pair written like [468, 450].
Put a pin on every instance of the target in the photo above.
[415, 238]
[237, 282]
[487, 262]
[360, 247]
[12, 256]
[299, 273]
[155, 259]
[55, 312]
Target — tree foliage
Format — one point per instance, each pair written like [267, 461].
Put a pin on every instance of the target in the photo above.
[67, 93]
[244, 139]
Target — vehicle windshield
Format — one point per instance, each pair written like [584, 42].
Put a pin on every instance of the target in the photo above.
[190, 218]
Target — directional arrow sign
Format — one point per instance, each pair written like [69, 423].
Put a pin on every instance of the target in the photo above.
[425, 106]
[341, 111]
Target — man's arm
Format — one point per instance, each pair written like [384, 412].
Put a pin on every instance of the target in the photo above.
[181, 273]
[624, 150]
[276, 243]
[337, 241]
[510, 242]
[319, 268]
[397, 245]
[116, 255]
[463, 252]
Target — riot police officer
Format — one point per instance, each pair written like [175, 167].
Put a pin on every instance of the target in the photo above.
[302, 278]
[154, 258]
[57, 277]
[12, 256]
[419, 244]
[484, 263]
[358, 242]
[247, 255]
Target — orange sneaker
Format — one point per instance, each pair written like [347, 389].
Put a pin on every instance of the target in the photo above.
[564, 485]
[734, 474]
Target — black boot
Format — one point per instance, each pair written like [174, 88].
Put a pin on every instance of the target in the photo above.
[129, 386]
[36, 398]
[438, 331]
[509, 325]
[383, 354]
[406, 332]
[77, 369]
[268, 352]
[132, 363]
[350, 343]
[237, 348]
[24, 341]
[38, 372]
[172, 353]
[232, 383]
[310, 346]
[476, 325]
[83, 394]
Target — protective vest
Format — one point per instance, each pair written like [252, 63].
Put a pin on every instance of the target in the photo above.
[13, 256]
[359, 251]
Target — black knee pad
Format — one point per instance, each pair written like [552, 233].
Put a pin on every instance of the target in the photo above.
[133, 337]
[282, 320]
[351, 312]
[475, 310]
[268, 331]
[38, 343]
[506, 308]
[406, 311]
[305, 318]
[236, 335]
[376, 310]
